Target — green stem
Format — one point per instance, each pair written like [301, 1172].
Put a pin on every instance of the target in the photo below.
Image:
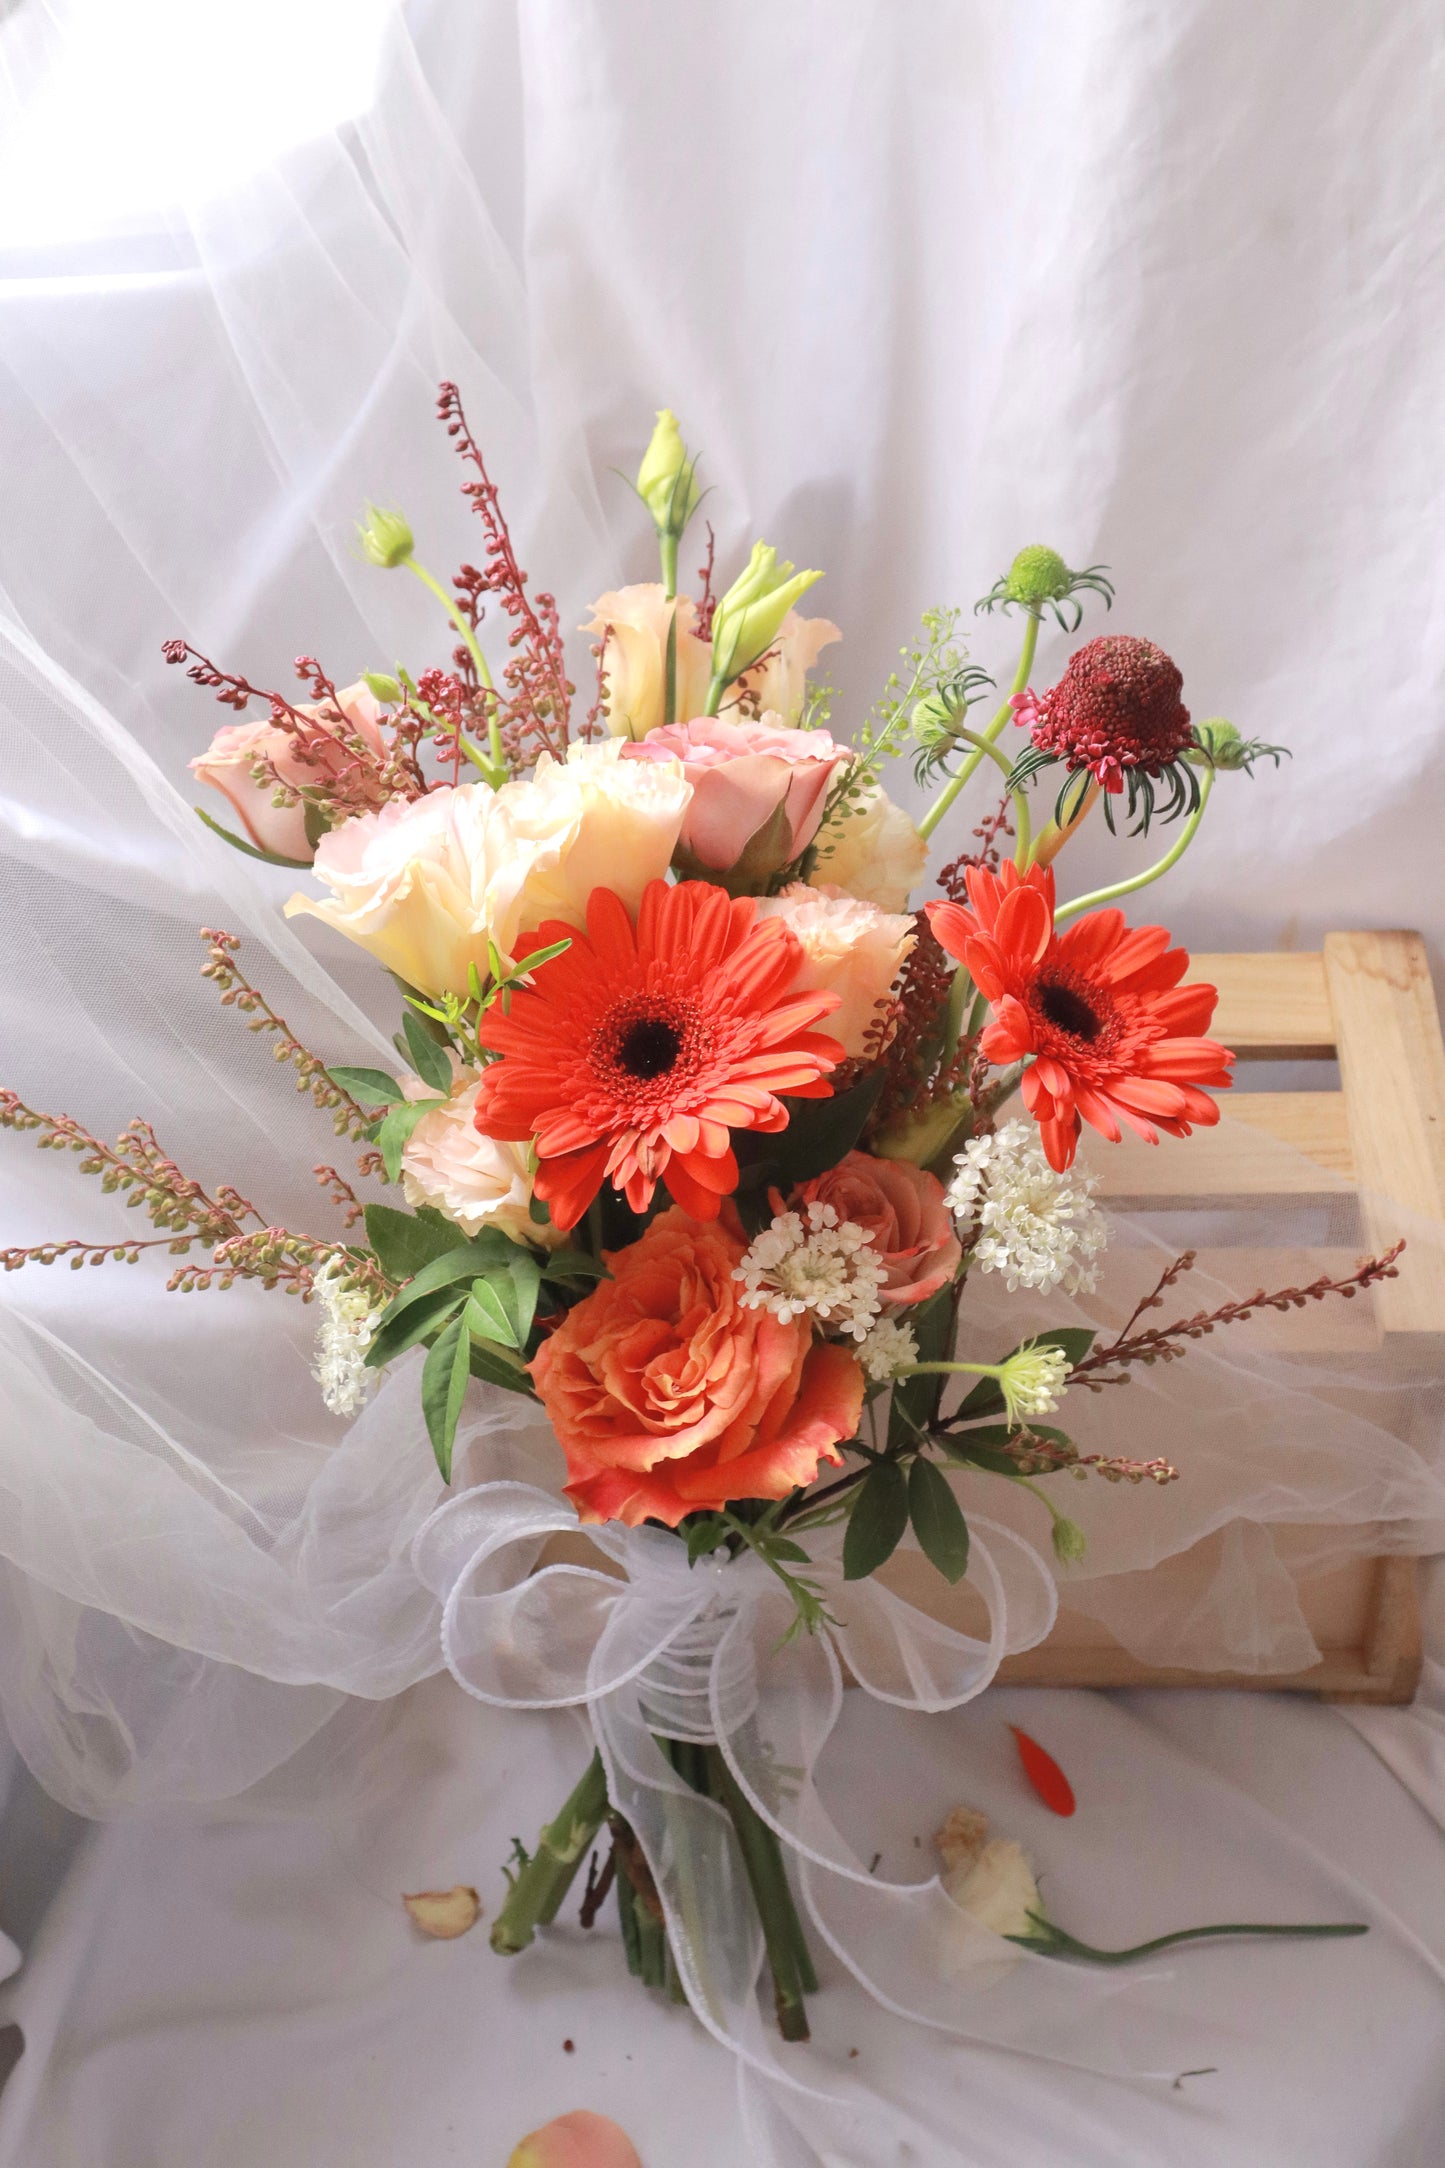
[717, 686]
[473, 648]
[668, 544]
[545, 1880]
[1052, 1941]
[941, 804]
[1142, 880]
[792, 1967]
[937, 1370]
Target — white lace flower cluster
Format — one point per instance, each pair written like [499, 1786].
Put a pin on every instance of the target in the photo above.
[1039, 1228]
[814, 1261]
[343, 1335]
[889, 1348]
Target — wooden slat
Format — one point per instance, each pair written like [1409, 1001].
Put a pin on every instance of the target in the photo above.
[1271, 1007]
[1239, 1159]
[1392, 1067]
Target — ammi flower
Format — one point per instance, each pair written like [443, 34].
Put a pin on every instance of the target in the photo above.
[1113, 1035]
[669, 1395]
[632, 1056]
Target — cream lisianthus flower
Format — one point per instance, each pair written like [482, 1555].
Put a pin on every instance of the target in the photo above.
[997, 1887]
[872, 850]
[475, 1180]
[424, 884]
[850, 948]
[779, 682]
[635, 623]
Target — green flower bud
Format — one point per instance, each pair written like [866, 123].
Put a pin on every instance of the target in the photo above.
[380, 686]
[1070, 1542]
[1037, 575]
[385, 538]
[1222, 742]
[666, 481]
[750, 615]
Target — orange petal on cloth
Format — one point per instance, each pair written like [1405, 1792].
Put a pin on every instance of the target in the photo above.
[445, 1913]
[578, 2140]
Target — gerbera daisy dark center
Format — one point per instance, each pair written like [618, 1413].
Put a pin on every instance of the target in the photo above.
[649, 1047]
[1068, 1010]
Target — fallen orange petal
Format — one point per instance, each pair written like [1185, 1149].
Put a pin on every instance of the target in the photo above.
[445, 1913]
[578, 2140]
[1044, 1773]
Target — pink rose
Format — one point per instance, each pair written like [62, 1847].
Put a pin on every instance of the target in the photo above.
[232, 754]
[757, 784]
[903, 1208]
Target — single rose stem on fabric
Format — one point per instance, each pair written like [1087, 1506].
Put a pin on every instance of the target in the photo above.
[1050, 1941]
[788, 1957]
[545, 1880]
[946, 797]
[474, 649]
[1172, 857]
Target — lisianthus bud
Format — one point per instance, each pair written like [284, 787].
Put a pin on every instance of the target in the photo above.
[380, 686]
[386, 539]
[1031, 1381]
[750, 615]
[666, 481]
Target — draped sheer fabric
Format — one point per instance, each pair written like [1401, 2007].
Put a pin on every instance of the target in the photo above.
[208, 367]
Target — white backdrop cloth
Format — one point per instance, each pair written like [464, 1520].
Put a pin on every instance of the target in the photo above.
[1158, 284]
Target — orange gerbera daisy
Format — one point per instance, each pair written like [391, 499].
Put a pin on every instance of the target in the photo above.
[634, 1054]
[1113, 1035]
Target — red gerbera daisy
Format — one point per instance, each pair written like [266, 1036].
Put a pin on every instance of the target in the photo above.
[1113, 1035]
[634, 1054]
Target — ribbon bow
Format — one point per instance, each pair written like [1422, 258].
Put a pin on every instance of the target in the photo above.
[703, 1653]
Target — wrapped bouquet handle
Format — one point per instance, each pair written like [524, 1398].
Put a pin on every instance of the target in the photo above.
[672, 1661]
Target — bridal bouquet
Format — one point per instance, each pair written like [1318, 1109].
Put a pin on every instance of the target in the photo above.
[699, 1134]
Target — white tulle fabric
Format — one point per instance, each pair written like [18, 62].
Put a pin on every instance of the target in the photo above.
[656, 1649]
[206, 372]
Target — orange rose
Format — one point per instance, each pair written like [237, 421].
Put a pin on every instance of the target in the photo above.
[904, 1209]
[670, 1398]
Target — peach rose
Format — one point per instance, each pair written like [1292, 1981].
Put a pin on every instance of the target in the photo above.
[229, 759]
[635, 621]
[851, 949]
[668, 1397]
[904, 1209]
[578, 2140]
[747, 778]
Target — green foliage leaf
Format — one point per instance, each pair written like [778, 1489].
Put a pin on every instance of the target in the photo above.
[396, 1334]
[877, 1521]
[984, 1447]
[443, 1388]
[916, 1399]
[267, 858]
[405, 1241]
[572, 1265]
[316, 822]
[429, 1060]
[938, 1520]
[373, 1086]
[393, 1131]
[705, 1534]
[503, 1301]
[495, 1367]
[820, 1132]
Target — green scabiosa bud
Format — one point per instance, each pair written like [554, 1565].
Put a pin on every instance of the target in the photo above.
[386, 539]
[1220, 746]
[1036, 576]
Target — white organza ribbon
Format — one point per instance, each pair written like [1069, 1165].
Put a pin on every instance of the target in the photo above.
[703, 1653]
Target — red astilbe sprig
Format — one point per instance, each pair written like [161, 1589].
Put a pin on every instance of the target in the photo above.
[348, 1118]
[594, 727]
[991, 834]
[707, 600]
[1166, 1343]
[231, 690]
[916, 1069]
[538, 691]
